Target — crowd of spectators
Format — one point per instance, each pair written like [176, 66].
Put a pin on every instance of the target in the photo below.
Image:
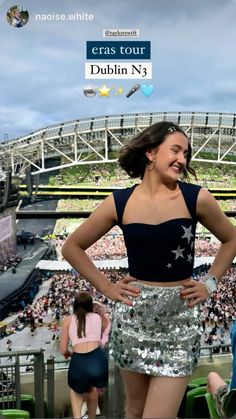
[216, 315]
[91, 204]
[75, 205]
[51, 307]
[78, 204]
[206, 247]
[112, 246]
[99, 175]
[208, 174]
[218, 312]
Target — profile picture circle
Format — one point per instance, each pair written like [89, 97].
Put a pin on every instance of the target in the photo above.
[17, 16]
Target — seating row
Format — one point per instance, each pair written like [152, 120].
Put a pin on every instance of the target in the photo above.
[7, 406]
[27, 403]
[200, 404]
[14, 414]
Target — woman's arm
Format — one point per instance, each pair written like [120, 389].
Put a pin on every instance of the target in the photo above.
[98, 224]
[106, 327]
[213, 218]
[64, 337]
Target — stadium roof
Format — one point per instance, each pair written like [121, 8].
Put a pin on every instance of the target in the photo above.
[98, 139]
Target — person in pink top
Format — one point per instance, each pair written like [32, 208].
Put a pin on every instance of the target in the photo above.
[88, 369]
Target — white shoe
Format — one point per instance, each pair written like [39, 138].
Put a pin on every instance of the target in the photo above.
[84, 409]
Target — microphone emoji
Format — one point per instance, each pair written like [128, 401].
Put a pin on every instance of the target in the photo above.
[133, 89]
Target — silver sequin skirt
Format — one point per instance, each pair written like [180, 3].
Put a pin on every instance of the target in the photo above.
[159, 335]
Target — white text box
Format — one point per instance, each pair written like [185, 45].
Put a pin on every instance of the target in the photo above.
[129, 33]
[118, 70]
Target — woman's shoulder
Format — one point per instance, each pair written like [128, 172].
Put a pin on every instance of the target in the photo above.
[121, 197]
[191, 187]
[124, 191]
[67, 319]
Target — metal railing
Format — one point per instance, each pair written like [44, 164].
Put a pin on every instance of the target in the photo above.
[11, 382]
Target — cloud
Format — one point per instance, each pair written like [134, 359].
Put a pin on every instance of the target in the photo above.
[42, 64]
[17, 118]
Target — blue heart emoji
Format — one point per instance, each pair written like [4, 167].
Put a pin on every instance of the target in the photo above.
[147, 89]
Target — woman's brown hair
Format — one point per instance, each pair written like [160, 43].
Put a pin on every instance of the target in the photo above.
[83, 304]
[132, 157]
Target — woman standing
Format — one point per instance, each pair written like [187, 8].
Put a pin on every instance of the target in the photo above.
[155, 336]
[88, 368]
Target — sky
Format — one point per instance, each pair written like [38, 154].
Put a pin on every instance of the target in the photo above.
[42, 70]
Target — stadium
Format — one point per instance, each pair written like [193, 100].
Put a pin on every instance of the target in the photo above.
[50, 181]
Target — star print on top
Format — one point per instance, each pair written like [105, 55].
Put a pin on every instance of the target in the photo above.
[189, 258]
[187, 233]
[178, 253]
[162, 252]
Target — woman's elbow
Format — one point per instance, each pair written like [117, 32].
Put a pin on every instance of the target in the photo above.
[63, 350]
[71, 248]
[65, 249]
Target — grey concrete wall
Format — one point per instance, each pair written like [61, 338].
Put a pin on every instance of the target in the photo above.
[62, 399]
[221, 364]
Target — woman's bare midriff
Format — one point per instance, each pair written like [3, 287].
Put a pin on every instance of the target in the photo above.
[86, 347]
[165, 284]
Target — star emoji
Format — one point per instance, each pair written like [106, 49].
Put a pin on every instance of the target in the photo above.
[119, 91]
[189, 257]
[169, 265]
[187, 233]
[104, 91]
[178, 252]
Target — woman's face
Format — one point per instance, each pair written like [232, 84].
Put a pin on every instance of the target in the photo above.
[171, 156]
[17, 13]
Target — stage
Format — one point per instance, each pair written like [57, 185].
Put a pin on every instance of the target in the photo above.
[18, 285]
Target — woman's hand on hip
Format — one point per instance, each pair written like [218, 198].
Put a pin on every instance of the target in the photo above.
[122, 290]
[193, 291]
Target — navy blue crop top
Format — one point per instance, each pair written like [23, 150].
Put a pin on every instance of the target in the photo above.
[162, 252]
